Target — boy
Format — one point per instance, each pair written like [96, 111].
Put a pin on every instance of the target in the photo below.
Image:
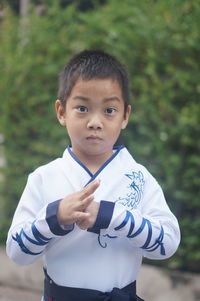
[94, 213]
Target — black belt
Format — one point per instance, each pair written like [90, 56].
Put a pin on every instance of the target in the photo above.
[54, 292]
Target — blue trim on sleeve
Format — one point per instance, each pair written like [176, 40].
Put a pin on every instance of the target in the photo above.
[41, 239]
[129, 216]
[35, 242]
[52, 220]
[18, 239]
[159, 242]
[104, 217]
[125, 221]
[141, 228]
[149, 236]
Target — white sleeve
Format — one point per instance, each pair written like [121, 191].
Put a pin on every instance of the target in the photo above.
[153, 228]
[34, 224]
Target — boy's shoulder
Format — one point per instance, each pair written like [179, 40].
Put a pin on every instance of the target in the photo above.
[137, 168]
[131, 161]
[49, 168]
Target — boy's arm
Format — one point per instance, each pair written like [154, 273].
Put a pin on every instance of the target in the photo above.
[35, 222]
[153, 228]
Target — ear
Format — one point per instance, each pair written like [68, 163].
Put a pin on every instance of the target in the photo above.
[126, 117]
[60, 112]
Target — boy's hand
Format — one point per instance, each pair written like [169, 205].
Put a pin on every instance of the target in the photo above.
[73, 208]
[88, 221]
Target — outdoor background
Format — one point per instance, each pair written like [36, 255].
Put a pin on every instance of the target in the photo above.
[159, 42]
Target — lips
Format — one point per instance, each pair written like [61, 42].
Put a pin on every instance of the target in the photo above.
[94, 138]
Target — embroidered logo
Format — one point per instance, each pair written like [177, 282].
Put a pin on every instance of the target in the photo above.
[136, 187]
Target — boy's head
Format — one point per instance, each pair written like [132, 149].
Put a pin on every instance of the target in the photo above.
[92, 64]
[93, 104]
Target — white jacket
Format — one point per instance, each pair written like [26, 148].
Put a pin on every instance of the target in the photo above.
[133, 221]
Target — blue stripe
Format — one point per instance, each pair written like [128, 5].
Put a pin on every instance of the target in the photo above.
[35, 242]
[38, 236]
[141, 228]
[23, 248]
[125, 221]
[107, 235]
[159, 242]
[149, 234]
[40, 239]
[132, 226]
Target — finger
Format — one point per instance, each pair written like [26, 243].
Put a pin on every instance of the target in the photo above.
[80, 216]
[85, 203]
[82, 225]
[90, 188]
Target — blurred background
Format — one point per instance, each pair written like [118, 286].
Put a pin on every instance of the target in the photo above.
[159, 42]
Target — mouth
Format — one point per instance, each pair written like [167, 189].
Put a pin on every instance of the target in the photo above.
[94, 138]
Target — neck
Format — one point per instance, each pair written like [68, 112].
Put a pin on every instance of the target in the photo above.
[91, 161]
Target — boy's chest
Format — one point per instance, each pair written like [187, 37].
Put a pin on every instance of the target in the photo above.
[125, 188]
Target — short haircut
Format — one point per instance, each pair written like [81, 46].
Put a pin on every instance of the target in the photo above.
[92, 64]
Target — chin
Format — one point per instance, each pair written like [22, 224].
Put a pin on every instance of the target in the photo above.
[95, 151]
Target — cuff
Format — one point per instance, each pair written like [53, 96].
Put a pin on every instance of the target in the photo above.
[104, 216]
[52, 220]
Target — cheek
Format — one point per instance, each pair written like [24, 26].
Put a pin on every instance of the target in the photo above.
[115, 131]
[74, 129]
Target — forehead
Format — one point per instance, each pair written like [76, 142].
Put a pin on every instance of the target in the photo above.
[102, 88]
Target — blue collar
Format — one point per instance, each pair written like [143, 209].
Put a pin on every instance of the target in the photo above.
[93, 176]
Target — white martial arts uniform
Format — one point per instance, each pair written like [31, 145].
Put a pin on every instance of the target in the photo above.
[133, 221]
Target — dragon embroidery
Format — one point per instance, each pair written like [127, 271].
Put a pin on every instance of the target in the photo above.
[136, 187]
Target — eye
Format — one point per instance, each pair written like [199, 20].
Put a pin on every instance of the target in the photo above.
[82, 109]
[110, 111]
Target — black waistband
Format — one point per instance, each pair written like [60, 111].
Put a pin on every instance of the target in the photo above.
[55, 292]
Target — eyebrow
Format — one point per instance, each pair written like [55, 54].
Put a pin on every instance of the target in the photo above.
[81, 98]
[114, 98]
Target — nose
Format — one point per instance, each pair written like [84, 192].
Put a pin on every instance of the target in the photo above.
[95, 123]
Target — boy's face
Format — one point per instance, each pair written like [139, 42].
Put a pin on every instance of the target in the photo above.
[94, 116]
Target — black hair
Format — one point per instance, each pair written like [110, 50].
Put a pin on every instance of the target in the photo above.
[92, 64]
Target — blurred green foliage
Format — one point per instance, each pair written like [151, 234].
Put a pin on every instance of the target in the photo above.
[159, 41]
